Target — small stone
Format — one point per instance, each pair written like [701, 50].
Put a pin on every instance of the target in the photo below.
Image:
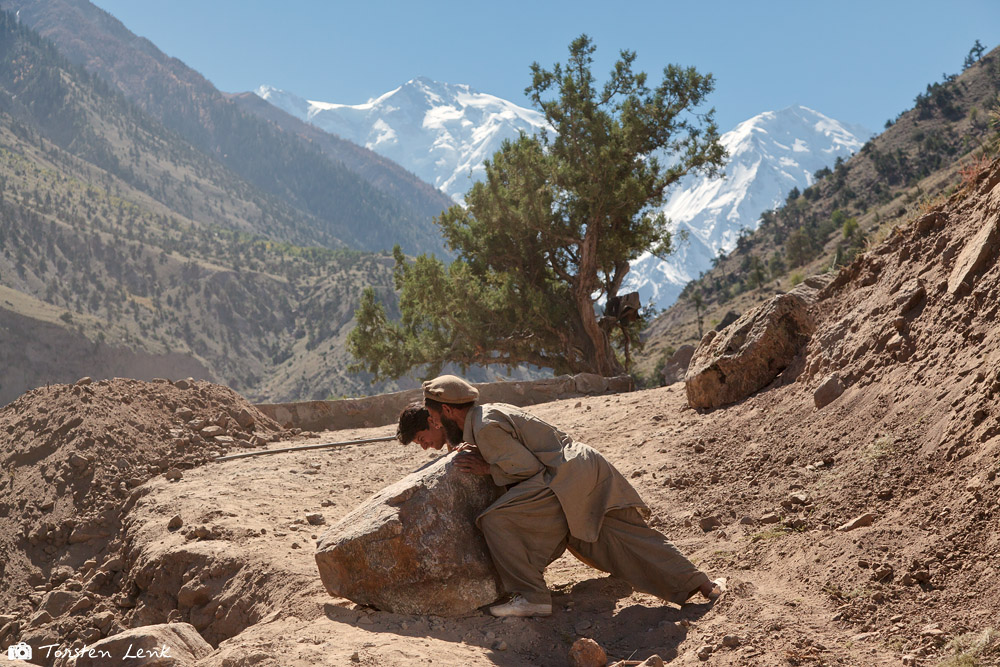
[882, 573]
[585, 652]
[78, 461]
[83, 381]
[730, 641]
[709, 523]
[747, 521]
[175, 522]
[828, 391]
[866, 519]
[699, 448]
[705, 652]
[500, 645]
[799, 498]
[82, 604]
[212, 431]
[652, 661]
[173, 474]
[245, 419]
[315, 519]
[183, 384]
[114, 564]
[184, 414]
[770, 517]
[355, 657]
[885, 494]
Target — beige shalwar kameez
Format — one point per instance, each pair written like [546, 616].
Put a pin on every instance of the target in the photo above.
[562, 493]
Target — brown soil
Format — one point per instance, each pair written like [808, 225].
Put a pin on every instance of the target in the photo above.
[913, 441]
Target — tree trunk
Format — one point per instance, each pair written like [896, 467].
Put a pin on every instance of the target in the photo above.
[604, 361]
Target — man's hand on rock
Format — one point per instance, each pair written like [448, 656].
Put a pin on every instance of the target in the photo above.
[470, 460]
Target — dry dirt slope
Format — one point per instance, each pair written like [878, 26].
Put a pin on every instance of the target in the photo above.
[913, 441]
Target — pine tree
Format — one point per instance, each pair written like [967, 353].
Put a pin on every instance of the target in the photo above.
[552, 229]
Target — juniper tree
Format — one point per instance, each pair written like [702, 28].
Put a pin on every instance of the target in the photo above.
[552, 229]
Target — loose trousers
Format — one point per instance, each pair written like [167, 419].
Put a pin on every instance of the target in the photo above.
[525, 537]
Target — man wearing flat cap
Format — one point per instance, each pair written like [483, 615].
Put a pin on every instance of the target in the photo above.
[560, 494]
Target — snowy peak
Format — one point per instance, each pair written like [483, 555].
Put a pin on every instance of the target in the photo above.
[769, 155]
[441, 132]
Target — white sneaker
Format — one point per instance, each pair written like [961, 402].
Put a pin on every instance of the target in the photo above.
[518, 606]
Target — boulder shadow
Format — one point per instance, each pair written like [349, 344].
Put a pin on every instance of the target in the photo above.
[596, 608]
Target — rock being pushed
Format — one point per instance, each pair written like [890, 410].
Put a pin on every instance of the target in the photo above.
[413, 547]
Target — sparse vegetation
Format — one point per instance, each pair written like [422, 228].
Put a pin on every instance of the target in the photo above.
[973, 649]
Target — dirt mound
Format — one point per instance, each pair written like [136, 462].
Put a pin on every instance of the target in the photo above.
[75, 458]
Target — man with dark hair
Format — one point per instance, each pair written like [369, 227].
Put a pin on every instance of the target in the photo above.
[414, 427]
[560, 494]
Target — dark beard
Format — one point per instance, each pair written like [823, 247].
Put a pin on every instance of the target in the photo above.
[452, 431]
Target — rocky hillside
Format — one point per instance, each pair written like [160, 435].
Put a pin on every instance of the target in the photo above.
[923, 155]
[858, 530]
[125, 251]
[337, 202]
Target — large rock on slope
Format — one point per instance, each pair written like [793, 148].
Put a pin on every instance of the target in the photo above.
[414, 548]
[747, 355]
[676, 367]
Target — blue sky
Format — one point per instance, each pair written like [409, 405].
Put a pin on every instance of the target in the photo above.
[857, 62]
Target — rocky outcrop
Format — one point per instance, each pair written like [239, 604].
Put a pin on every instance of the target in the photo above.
[677, 365]
[974, 256]
[414, 548]
[745, 357]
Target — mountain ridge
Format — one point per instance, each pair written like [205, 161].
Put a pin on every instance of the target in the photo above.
[759, 173]
[347, 206]
[440, 131]
[920, 158]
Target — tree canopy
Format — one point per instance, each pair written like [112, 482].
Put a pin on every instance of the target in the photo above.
[552, 229]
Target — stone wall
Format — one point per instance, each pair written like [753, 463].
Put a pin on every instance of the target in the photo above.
[383, 409]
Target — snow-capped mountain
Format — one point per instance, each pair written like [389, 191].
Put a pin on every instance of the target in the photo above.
[769, 155]
[441, 132]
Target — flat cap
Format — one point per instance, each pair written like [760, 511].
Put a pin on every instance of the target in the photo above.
[450, 389]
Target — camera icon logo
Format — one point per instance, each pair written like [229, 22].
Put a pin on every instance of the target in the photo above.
[19, 651]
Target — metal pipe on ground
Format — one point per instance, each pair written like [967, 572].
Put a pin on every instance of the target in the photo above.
[264, 452]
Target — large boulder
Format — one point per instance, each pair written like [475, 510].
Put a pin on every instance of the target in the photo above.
[747, 355]
[677, 365]
[414, 548]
